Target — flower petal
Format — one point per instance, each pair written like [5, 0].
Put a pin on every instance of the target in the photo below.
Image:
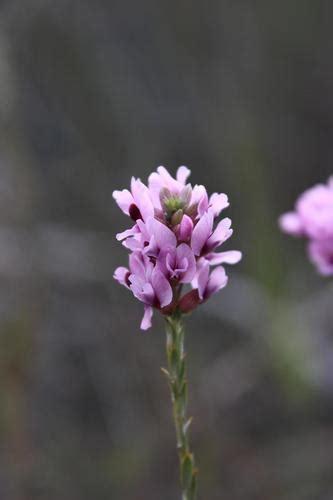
[203, 205]
[124, 199]
[142, 198]
[201, 232]
[220, 234]
[127, 233]
[186, 194]
[163, 235]
[321, 255]
[155, 185]
[148, 294]
[198, 192]
[132, 244]
[167, 180]
[170, 263]
[147, 316]
[291, 223]
[185, 228]
[162, 287]
[121, 274]
[229, 257]
[218, 202]
[137, 265]
[151, 249]
[202, 280]
[182, 174]
[217, 280]
[184, 253]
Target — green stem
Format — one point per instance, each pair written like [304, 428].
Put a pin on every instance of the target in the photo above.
[176, 375]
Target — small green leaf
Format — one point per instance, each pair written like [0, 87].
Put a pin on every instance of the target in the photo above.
[187, 425]
[177, 217]
[166, 373]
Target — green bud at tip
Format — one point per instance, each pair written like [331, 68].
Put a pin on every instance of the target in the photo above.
[177, 217]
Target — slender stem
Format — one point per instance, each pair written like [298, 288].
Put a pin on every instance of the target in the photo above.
[176, 375]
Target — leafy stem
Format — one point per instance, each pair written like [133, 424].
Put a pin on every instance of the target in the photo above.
[176, 375]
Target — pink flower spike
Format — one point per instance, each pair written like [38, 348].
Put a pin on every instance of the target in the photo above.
[173, 242]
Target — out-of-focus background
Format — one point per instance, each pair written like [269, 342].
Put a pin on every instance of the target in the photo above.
[91, 93]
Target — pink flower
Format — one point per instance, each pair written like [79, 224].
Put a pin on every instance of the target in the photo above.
[177, 263]
[148, 284]
[206, 284]
[173, 243]
[135, 203]
[205, 238]
[313, 219]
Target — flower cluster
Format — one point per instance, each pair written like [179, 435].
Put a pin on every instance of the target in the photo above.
[173, 242]
[313, 219]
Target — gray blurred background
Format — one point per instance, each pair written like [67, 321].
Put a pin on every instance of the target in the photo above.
[91, 93]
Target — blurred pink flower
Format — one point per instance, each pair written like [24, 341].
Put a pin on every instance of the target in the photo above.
[313, 219]
[173, 242]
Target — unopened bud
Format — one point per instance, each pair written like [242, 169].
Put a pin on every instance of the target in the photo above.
[189, 301]
[176, 218]
[165, 194]
[192, 210]
[186, 195]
